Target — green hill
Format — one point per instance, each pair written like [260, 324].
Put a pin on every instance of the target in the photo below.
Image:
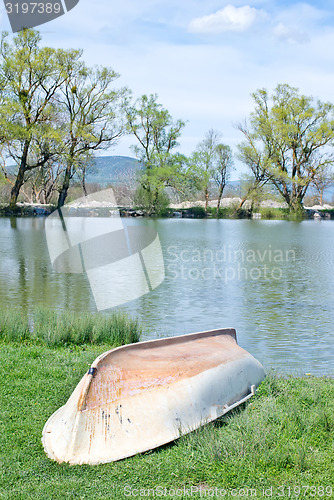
[112, 170]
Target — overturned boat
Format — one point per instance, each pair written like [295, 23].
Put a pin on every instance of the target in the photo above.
[140, 396]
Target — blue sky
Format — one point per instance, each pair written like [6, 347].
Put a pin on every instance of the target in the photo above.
[203, 59]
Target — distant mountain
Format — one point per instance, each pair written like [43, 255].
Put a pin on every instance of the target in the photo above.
[105, 170]
[112, 170]
[233, 187]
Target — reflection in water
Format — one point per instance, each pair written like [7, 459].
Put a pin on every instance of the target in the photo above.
[26, 276]
[271, 280]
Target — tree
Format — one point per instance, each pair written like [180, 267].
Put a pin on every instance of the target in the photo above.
[44, 182]
[256, 161]
[289, 141]
[157, 136]
[203, 162]
[223, 167]
[323, 179]
[30, 76]
[254, 192]
[91, 118]
[212, 161]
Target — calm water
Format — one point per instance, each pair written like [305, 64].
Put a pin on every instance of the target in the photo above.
[271, 280]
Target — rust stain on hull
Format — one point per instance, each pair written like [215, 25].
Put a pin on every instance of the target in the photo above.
[128, 372]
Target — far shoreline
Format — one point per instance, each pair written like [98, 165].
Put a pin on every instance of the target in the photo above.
[229, 209]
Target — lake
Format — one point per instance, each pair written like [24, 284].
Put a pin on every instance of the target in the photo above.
[270, 280]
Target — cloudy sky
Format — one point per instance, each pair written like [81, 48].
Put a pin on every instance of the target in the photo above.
[203, 59]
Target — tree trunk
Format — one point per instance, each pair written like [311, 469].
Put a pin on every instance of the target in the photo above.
[16, 188]
[296, 205]
[65, 186]
[154, 202]
[84, 182]
[243, 201]
[220, 194]
[252, 206]
[20, 177]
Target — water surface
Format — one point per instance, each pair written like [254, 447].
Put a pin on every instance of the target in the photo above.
[271, 280]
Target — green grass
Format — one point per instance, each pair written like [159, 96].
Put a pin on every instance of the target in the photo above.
[284, 435]
[55, 328]
[283, 438]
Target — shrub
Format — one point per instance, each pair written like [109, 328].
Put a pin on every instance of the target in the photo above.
[195, 212]
[145, 200]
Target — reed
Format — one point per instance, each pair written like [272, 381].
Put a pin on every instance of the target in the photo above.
[13, 325]
[59, 328]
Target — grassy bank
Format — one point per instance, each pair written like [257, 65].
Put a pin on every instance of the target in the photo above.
[56, 328]
[282, 439]
[195, 212]
[233, 212]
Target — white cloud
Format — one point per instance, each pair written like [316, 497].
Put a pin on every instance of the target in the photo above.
[229, 18]
[289, 34]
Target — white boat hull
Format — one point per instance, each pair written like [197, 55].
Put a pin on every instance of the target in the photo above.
[144, 395]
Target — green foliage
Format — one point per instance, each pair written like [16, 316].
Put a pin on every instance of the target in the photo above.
[223, 213]
[153, 127]
[55, 111]
[55, 328]
[288, 142]
[3, 180]
[243, 213]
[157, 135]
[211, 162]
[195, 212]
[274, 213]
[31, 76]
[91, 119]
[143, 199]
[253, 191]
